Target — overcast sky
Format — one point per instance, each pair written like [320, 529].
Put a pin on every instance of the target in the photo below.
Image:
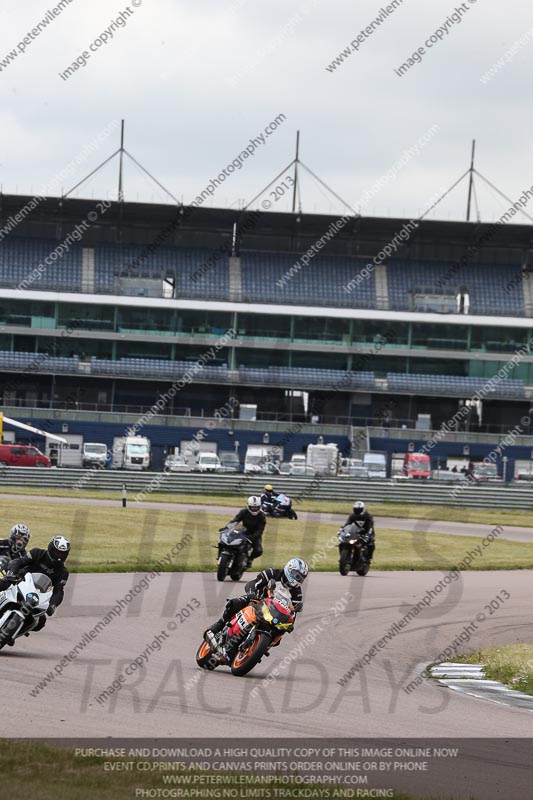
[195, 81]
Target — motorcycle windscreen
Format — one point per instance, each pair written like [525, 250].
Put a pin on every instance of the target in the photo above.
[42, 582]
[277, 613]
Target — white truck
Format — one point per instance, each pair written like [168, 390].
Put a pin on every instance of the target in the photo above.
[131, 452]
[375, 465]
[94, 454]
[323, 459]
[258, 456]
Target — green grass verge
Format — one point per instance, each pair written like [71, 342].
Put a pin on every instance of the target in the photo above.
[511, 664]
[116, 539]
[400, 510]
[34, 769]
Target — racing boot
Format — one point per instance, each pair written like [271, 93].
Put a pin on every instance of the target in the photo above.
[211, 632]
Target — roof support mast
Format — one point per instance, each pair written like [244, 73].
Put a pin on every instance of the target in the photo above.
[471, 182]
[121, 158]
[295, 187]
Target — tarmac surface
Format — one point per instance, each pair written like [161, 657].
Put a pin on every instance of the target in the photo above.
[352, 668]
[169, 696]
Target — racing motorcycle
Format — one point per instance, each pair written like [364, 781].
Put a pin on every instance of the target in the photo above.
[233, 552]
[353, 550]
[281, 507]
[250, 633]
[22, 607]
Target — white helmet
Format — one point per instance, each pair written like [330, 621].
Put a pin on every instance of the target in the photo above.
[358, 507]
[295, 572]
[254, 505]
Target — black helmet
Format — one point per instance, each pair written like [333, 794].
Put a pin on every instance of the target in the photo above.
[19, 536]
[358, 508]
[59, 548]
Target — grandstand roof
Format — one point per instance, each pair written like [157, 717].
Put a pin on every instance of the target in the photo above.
[143, 223]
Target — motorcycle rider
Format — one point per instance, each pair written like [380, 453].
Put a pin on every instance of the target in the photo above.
[268, 499]
[50, 562]
[15, 545]
[365, 522]
[253, 520]
[291, 576]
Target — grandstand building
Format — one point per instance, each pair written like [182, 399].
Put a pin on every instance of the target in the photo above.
[107, 307]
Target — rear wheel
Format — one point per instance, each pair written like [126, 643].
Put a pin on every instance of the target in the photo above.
[222, 569]
[205, 658]
[245, 660]
[345, 561]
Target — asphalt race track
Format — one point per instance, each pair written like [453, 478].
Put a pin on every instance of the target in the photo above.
[170, 696]
[319, 691]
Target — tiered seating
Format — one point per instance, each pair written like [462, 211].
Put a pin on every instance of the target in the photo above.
[490, 287]
[308, 376]
[455, 384]
[22, 264]
[198, 273]
[38, 362]
[267, 278]
[145, 367]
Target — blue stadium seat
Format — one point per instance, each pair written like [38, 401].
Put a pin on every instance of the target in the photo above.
[490, 287]
[321, 282]
[22, 264]
[198, 273]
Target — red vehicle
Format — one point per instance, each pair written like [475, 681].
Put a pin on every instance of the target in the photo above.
[417, 465]
[22, 455]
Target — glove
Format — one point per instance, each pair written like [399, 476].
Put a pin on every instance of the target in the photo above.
[50, 611]
[11, 577]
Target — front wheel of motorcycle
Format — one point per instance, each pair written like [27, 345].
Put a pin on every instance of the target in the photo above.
[205, 657]
[222, 569]
[345, 560]
[8, 628]
[245, 660]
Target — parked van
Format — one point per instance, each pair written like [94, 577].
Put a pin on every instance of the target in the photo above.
[375, 465]
[208, 462]
[417, 465]
[22, 455]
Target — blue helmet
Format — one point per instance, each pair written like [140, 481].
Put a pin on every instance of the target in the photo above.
[295, 571]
